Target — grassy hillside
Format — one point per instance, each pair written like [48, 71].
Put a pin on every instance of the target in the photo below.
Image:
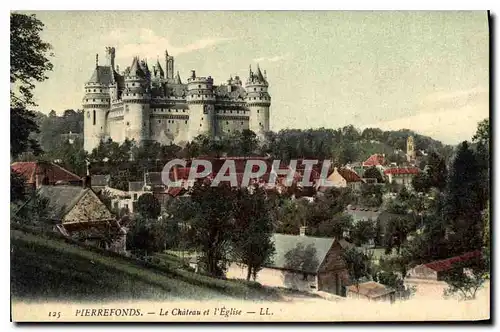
[44, 266]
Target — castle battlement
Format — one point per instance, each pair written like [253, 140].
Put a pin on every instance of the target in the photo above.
[154, 104]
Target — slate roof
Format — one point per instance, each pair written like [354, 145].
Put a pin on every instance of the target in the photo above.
[53, 172]
[287, 243]
[103, 75]
[61, 199]
[370, 289]
[362, 213]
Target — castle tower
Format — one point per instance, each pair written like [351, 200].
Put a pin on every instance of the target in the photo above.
[169, 66]
[258, 101]
[136, 99]
[201, 99]
[96, 103]
[410, 149]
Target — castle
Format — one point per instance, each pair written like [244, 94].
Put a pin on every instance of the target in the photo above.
[142, 104]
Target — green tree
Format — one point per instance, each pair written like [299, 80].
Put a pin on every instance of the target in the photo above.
[148, 206]
[363, 231]
[374, 173]
[17, 187]
[253, 229]
[211, 218]
[28, 64]
[466, 198]
[465, 279]
[436, 171]
[358, 264]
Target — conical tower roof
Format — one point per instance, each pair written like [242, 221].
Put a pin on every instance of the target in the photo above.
[95, 76]
[259, 75]
[178, 79]
[136, 70]
[159, 68]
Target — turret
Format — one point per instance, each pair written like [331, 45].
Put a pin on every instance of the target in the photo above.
[201, 99]
[169, 66]
[258, 101]
[96, 103]
[136, 98]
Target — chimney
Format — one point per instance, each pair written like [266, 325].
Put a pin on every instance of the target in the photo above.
[303, 230]
[86, 181]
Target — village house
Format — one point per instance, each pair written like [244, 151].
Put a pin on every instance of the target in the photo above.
[377, 160]
[371, 291]
[343, 178]
[77, 212]
[401, 175]
[428, 278]
[38, 173]
[303, 263]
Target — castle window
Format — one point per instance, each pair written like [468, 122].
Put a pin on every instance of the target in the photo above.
[199, 86]
[185, 122]
[88, 115]
[260, 124]
[257, 111]
[159, 121]
[227, 122]
[201, 119]
[231, 112]
[94, 90]
[261, 89]
[93, 99]
[134, 94]
[100, 90]
[200, 124]
[94, 118]
[241, 122]
[128, 123]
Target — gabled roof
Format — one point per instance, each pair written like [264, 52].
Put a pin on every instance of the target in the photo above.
[447, 264]
[349, 175]
[300, 253]
[61, 199]
[402, 170]
[370, 289]
[374, 160]
[54, 173]
[362, 213]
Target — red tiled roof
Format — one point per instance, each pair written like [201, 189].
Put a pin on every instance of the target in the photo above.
[446, 264]
[53, 172]
[402, 170]
[374, 160]
[349, 175]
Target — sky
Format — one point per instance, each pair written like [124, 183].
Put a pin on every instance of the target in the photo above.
[424, 71]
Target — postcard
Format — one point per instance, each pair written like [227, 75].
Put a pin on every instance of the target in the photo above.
[250, 166]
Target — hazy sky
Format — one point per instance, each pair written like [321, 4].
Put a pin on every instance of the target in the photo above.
[426, 71]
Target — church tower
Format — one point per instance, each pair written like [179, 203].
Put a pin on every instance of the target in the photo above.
[258, 101]
[96, 105]
[410, 149]
[136, 99]
[201, 100]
